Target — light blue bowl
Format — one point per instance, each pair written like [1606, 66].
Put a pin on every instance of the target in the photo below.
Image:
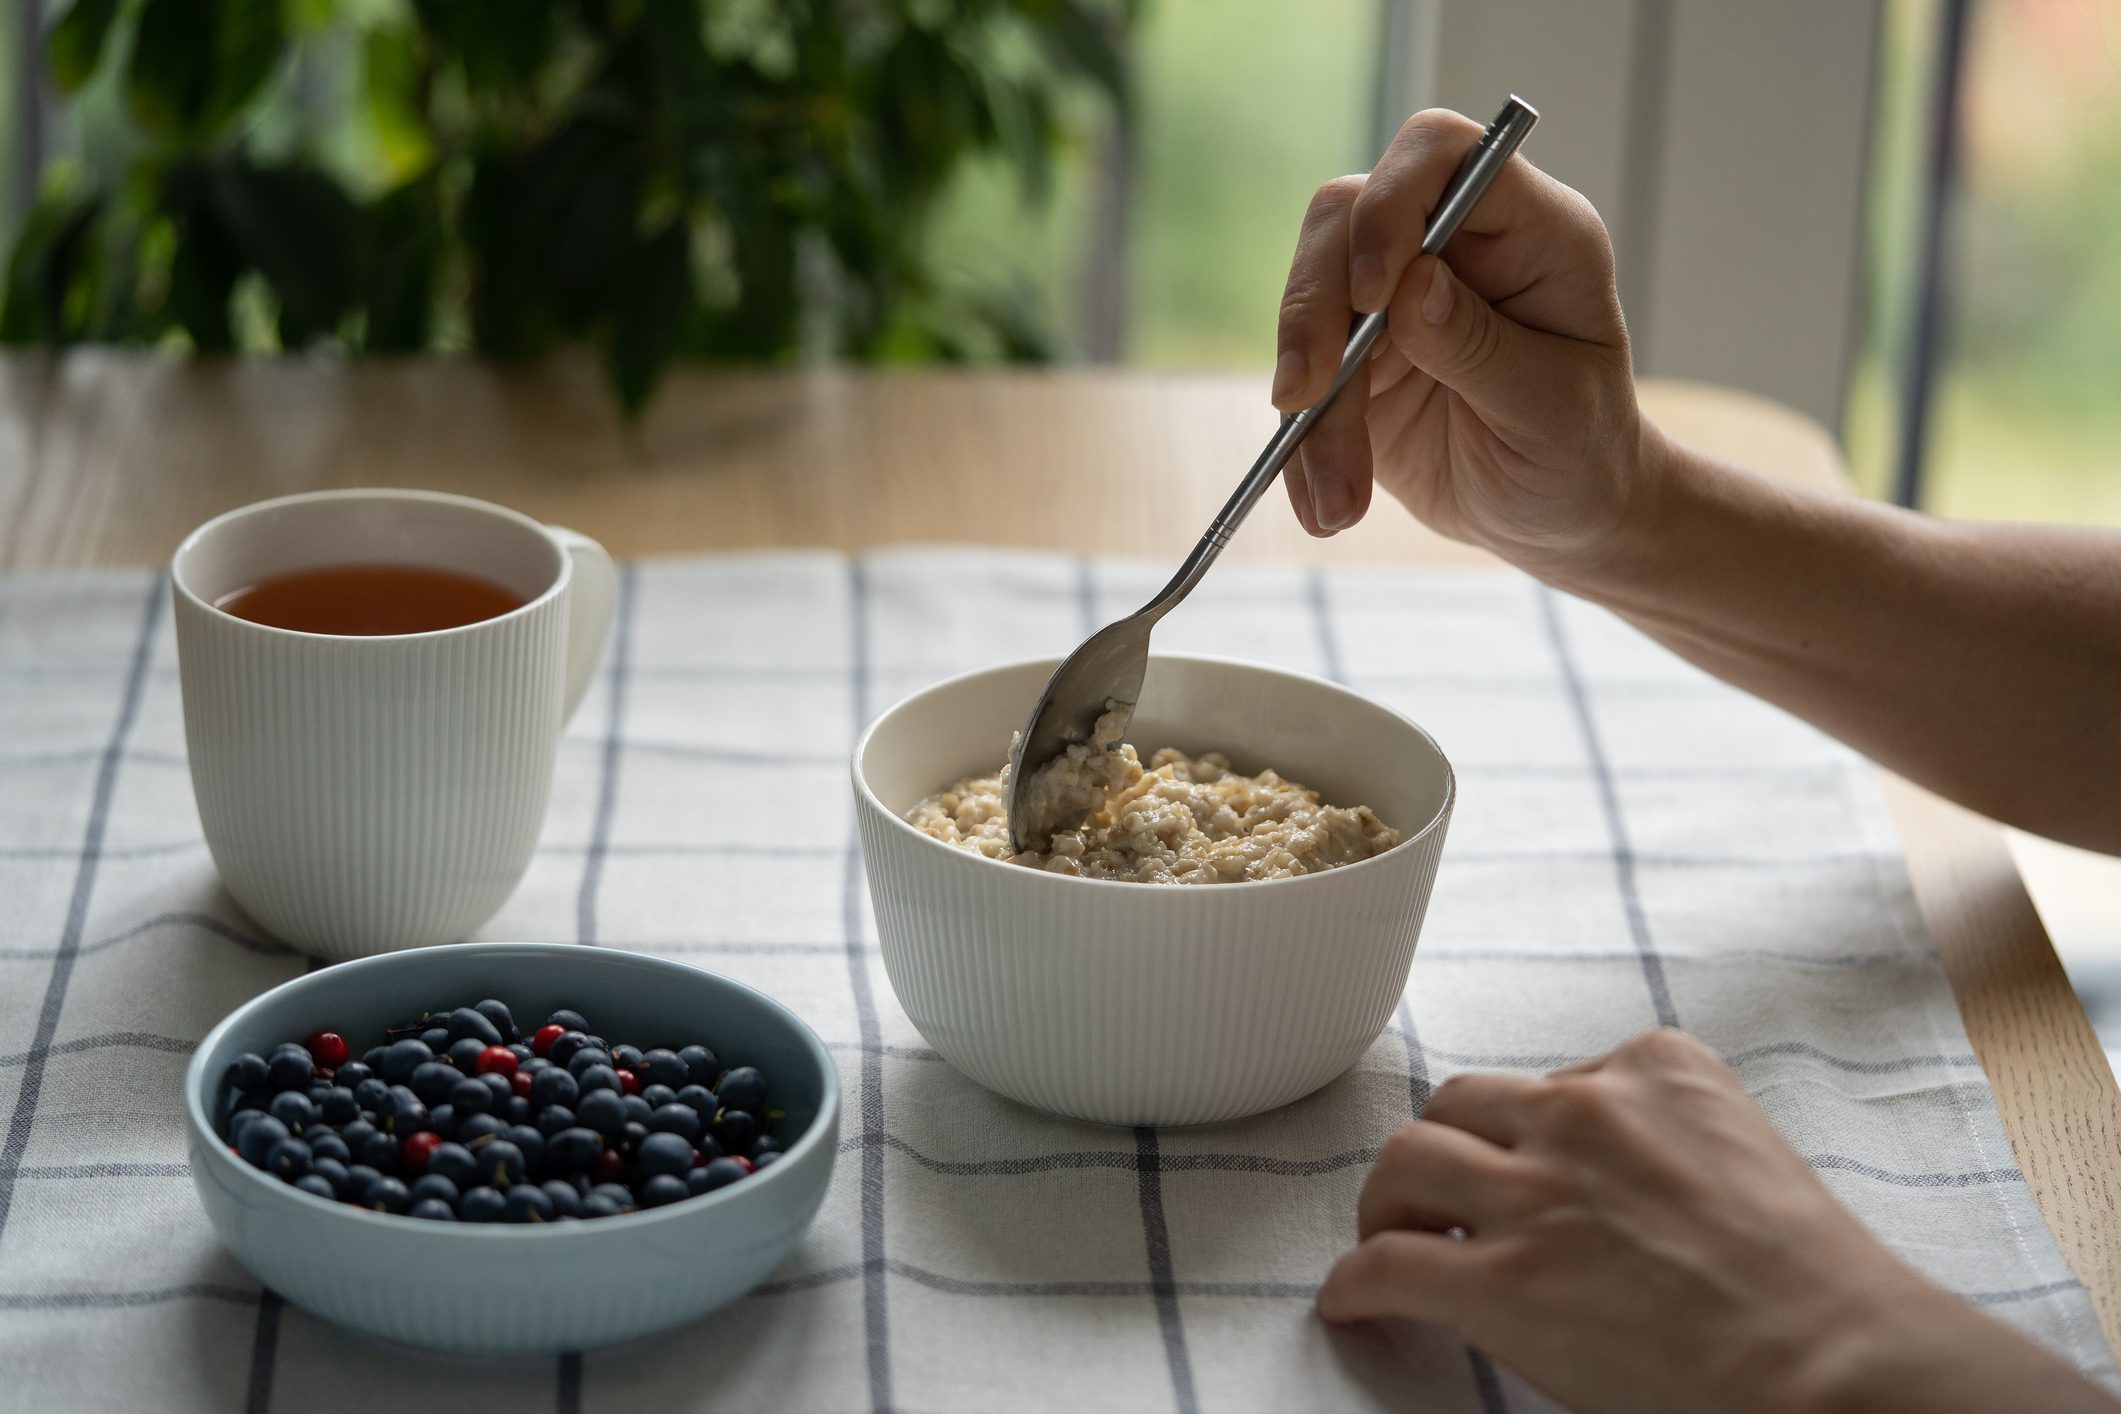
[475, 1289]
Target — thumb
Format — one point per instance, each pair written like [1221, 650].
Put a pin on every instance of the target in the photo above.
[1503, 370]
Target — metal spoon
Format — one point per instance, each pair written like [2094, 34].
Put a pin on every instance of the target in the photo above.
[1106, 672]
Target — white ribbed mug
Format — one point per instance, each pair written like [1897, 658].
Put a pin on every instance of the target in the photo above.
[362, 794]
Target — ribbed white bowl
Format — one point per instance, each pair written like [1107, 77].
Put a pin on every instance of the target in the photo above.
[1139, 1003]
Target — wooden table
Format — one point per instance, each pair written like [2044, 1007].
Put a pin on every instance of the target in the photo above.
[106, 459]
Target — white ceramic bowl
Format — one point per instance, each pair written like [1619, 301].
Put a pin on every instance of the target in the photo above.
[1140, 1003]
[475, 1289]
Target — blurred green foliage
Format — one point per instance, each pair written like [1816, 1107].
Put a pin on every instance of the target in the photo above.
[736, 179]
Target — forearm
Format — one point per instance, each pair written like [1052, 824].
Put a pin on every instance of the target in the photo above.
[1981, 661]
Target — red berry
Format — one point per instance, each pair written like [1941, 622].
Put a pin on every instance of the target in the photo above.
[498, 1059]
[629, 1083]
[749, 1167]
[608, 1168]
[546, 1035]
[418, 1149]
[328, 1049]
[698, 1158]
[521, 1081]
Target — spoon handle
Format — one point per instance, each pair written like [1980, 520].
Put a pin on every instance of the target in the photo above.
[1467, 185]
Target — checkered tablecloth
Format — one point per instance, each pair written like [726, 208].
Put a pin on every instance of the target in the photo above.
[1634, 844]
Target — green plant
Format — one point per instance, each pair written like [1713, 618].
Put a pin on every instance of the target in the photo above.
[659, 178]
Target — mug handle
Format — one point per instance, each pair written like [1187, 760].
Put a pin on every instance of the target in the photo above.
[590, 602]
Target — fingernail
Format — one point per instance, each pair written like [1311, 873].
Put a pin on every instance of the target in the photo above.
[1366, 281]
[1436, 304]
[1288, 374]
[1329, 503]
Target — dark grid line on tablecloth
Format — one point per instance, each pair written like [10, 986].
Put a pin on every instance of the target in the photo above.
[1623, 855]
[1148, 1172]
[61, 974]
[264, 1352]
[876, 1311]
[614, 745]
[1485, 1381]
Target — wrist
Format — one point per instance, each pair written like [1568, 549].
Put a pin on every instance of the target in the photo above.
[1656, 488]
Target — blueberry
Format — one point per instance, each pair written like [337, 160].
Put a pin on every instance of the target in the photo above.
[358, 1177]
[625, 1057]
[765, 1144]
[630, 1137]
[663, 1067]
[662, 1154]
[239, 1120]
[332, 1171]
[565, 1201]
[596, 1205]
[433, 1185]
[288, 1159]
[258, 1138]
[380, 1152]
[469, 1097]
[743, 1089]
[373, 1057]
[403, 1114]
[568, 1021]
[352, 1074]
[657, 1096]
[701, 1099]
[499, 1018]
[250, 1073]
[706, 1144]
[602, 1110]
[663, 1190]
[467, 1022]
[596, 1042]
[372, 1094]
[289, 1070]
[247, 1104]
[701, 1067]
[535, 1065]
[572, 1150]
[401, 1059]
[617, 1193]
[431, 1081]
[327, 1145]
[436, 1039]
[735, 1129]
[678, 1119]
[483, 1205]
[554, 1086]
[554, 1118]
[528, 1203]
[520, 1110]
[637, 1109]
[596, 1077]
[338, 1106]
[455, 1163]
[387, 1195]
[471, 1129]
[464, 1055]
[321, 1187]
[527, 1139]
[523, 1054]
[293, 1109]
[498, 1086]
[696, 1181]
[766, 1160]
[563, 1050]
[500, 1163]
[720, 1173]
[443, 1120]
[586, 1057]
[432, 1209]
[316, 1092]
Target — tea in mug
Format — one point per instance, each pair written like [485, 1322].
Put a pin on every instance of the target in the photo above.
[369, 600]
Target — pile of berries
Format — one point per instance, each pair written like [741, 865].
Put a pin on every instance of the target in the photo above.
[458, 1118]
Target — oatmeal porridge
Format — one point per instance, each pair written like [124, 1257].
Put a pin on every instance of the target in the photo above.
[1178, 820]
